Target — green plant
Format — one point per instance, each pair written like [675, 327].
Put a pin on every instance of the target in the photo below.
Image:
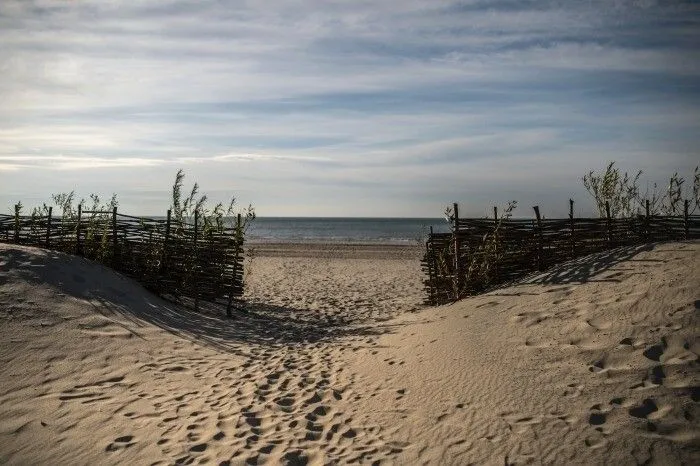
[213, 227]
[621, 192]
[98, 226]
[212, 220]
[35, 221]
[65, 202]
[671, 202]
[483, 257]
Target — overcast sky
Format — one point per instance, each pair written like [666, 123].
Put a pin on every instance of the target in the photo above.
[345, 108]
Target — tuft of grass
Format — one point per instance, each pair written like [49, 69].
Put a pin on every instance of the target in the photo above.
[212, 220]
[622, 193]
[618, 189]
[483, 258]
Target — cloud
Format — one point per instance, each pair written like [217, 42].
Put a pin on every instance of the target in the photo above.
[424, 98]
[62, 162]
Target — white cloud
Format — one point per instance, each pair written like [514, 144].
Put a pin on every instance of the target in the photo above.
[63, 162]
[347, 96]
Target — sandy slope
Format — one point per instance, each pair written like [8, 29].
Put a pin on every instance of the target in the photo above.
[590, 363]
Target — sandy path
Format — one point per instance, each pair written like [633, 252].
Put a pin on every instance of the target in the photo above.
[337, 362]
[590, 363]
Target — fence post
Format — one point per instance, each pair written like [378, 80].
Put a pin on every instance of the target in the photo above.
[164, 253]
[77, 230]
[648, 226]
[608, 223]
[114, 236]
[429, 263]
[238, 237]
[166, 240]
[539, 238]
[571, 224]
[196, 262]
[48, 228]
[686, 206]
[495, 243]
[457, 271]
[17, 223]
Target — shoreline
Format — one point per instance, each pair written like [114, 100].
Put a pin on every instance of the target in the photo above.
[335, 250]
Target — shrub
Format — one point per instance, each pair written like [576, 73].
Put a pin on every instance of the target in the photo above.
[483, 256]
[621, 192]
[213, 220]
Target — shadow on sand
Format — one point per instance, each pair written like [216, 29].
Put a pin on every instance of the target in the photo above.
[114, 294]
[261, 324]
[590, 268]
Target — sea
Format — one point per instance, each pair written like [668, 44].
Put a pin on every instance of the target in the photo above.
[343, 230]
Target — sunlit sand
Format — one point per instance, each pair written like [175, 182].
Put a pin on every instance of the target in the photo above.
[336, 360]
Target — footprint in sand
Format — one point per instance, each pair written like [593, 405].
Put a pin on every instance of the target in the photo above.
[627, 342]
[599, 323]
[597, 417]
[120, 443]
[598, 366]
[617, 401]
[596, 440]
[643, 410]
[199, 448]
[573, 390]
[655, 352]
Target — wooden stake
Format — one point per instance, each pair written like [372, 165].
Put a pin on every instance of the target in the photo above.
[114, 236]
[164, 252]
[540, 263]
[457, 272]
[196, 262]
[48, 228]
[17, 223]
[608, 222]
[77, 229]
[167, 226]
[238, 239]
[166, 239]
[429, 262]
[648, 226]
[686, 206]
[495, 240]
[571, 224]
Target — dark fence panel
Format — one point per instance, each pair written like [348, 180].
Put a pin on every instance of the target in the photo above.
[481, 253]
[174, 259]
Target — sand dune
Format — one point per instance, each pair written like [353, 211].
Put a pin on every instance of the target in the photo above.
[337, 361]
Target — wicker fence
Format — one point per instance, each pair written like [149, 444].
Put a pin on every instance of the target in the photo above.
[478, 254]
[175, 259]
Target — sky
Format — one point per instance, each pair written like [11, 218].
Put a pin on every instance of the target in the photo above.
[345, 108]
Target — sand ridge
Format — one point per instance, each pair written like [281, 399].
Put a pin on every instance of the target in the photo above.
[337, 361]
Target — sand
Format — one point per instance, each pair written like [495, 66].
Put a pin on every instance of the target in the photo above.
[337, 361]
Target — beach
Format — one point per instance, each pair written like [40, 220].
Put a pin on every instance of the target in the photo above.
[332, 358]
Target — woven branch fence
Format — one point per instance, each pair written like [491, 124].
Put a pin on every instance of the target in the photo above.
[175, 259]
[479, 254]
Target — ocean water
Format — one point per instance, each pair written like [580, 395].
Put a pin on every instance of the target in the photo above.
[359, 230]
